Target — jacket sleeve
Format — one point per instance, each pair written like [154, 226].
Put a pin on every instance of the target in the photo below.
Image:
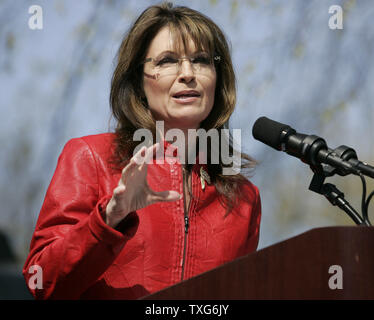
[71, 244]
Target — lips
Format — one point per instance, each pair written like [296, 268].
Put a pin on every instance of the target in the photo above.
[186, 94]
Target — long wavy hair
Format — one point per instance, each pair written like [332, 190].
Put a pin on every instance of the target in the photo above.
[129, 104]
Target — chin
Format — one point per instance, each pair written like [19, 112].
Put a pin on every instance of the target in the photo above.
[187, 120]
[192, 116]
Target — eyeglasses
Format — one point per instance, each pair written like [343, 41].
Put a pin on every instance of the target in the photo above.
[170, 64]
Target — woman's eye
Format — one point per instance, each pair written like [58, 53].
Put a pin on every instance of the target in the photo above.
[166, 60]
[201, 60]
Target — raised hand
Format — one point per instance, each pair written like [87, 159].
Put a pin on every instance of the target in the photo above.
[133, 191]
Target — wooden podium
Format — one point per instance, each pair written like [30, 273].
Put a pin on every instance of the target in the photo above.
[302, 267]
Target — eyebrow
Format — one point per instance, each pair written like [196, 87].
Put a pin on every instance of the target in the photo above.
[165, 52]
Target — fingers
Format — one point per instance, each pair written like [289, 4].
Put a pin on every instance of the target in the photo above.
[140, 160]
[150, 152]
[138, 157]
[145, 155]
[119, 191]
[134, 161]
[166, 196]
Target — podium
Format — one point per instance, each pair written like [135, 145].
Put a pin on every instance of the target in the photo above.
[323, 263]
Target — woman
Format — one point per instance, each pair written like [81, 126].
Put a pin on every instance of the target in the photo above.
[117, 225]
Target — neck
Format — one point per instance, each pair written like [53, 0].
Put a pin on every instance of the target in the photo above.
[185, 141]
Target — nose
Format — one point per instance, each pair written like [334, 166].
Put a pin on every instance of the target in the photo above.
[186, 73]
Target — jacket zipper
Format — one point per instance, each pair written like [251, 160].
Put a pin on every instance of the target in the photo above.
[186, 221]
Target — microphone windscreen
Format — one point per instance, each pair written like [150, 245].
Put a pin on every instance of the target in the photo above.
[269, 132]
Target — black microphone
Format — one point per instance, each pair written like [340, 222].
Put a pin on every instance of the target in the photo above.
[310, 149]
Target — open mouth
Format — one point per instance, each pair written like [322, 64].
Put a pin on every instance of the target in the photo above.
[186, 95]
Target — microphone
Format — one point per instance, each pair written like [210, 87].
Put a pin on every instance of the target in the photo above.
[310, 149]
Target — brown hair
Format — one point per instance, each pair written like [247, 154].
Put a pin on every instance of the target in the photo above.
[127, 98]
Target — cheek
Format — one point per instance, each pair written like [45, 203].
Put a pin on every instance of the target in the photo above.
[155, 92]
[151, 90]
[210, 91]
[156, 89]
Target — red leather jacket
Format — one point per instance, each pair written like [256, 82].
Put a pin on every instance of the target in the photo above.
[81, 257]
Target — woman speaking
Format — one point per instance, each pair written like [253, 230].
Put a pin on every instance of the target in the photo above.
[118, 223]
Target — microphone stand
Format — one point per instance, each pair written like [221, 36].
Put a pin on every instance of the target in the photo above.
[332, 193]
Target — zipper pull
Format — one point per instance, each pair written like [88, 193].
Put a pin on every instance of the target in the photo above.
[186, 224]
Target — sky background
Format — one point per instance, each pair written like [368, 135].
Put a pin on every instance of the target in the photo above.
[290, 67]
